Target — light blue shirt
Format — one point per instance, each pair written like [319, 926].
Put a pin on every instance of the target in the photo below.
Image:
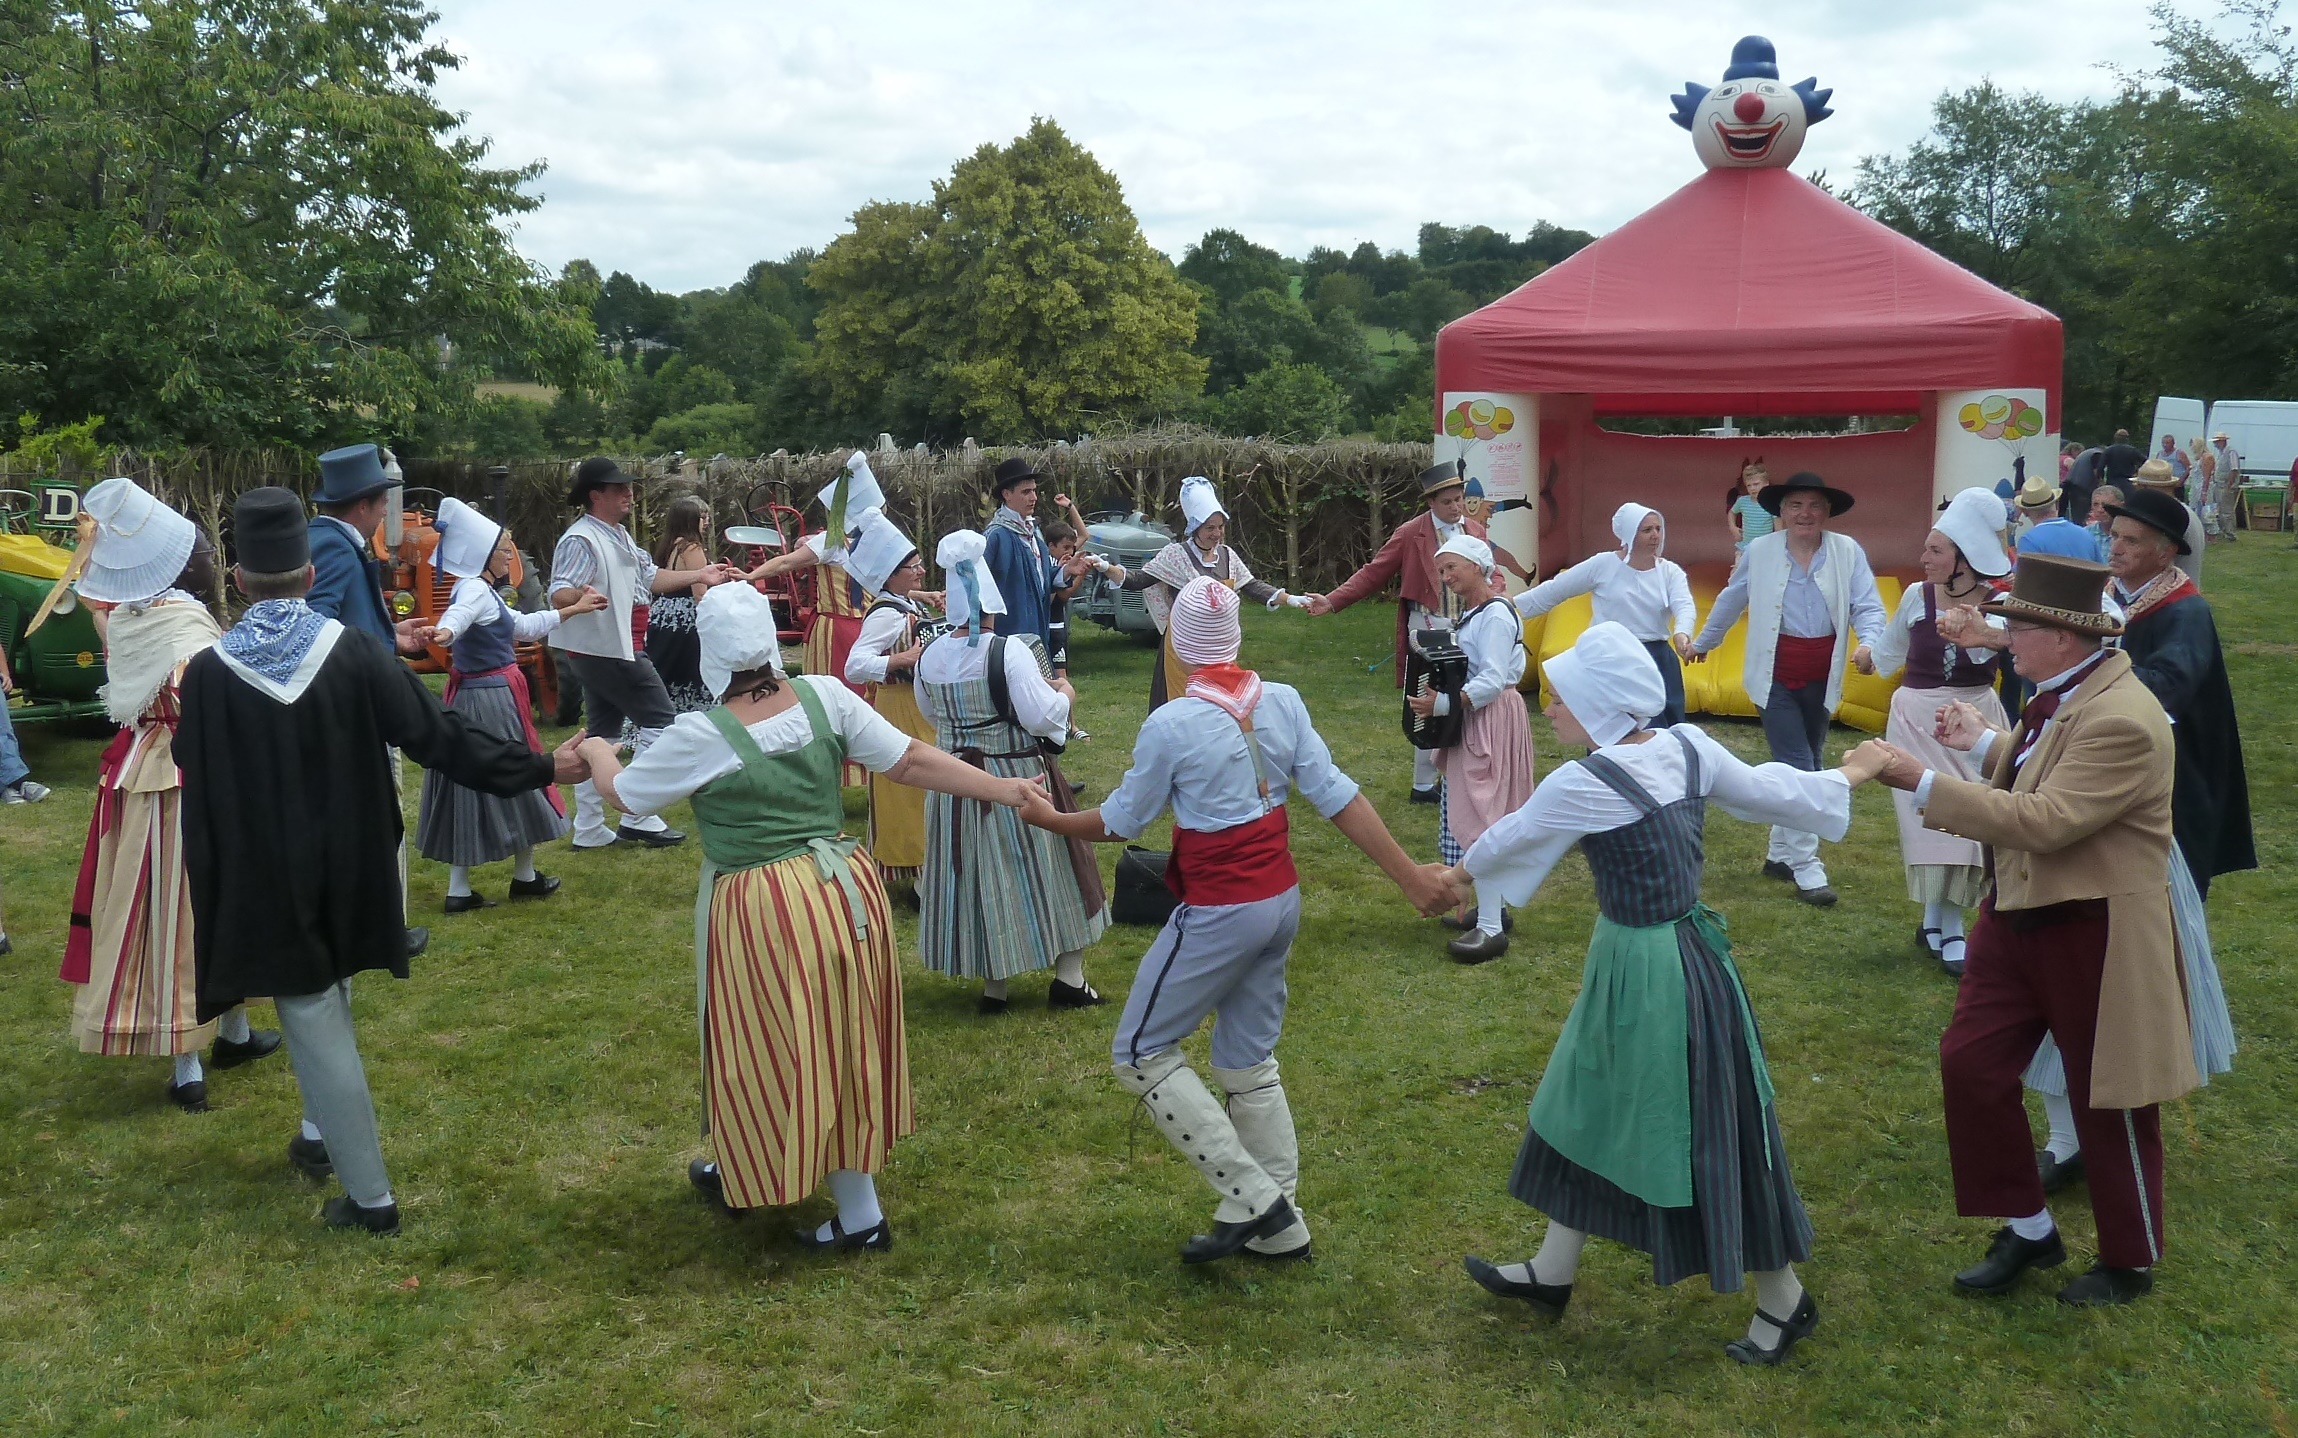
[1191, 755]
[2062, 537]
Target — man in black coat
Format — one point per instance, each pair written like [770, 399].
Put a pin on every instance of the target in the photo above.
[292, 824]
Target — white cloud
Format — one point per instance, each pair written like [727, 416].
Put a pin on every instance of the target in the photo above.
[686, 140]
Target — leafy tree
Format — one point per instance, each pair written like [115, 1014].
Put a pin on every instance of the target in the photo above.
[1228, 266]
[705, 429]
[249, 222]
[1262, 328]
[1021, 302]
[1294, 403]
[630, 312]
[575, 421]
[746, 331]
[504, 426]
[1345, 290]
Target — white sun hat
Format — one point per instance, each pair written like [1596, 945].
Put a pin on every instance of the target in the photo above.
[467, 539]
[140, 546]
[879, 552]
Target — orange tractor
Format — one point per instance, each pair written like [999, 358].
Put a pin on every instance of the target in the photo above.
[416, 588]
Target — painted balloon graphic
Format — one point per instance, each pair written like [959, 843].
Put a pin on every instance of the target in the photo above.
[1478, 419]
[2001, 417]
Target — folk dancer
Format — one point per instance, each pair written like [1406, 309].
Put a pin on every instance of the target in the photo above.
[839, 598]
[1409, 559]
[1223, 754]
[129, 948]
[602, 647]
[1961, 554]
[290, 823]
[1017, 560]
[1202, 551]
[998, 897]
[2075, 941]
[462, 827]
[2157, 477]
[1635, 588]
[1806, 593]
[1488, 774]
[1654, 1124]
[884, 664]
[805, 1064]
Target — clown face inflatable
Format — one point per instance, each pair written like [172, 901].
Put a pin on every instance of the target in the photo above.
[1751, 121]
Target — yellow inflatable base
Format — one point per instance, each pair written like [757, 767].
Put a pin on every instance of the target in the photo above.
[1716, 685]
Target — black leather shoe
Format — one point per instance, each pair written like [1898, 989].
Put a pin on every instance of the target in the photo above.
[1793, 1330]
[2104, 1287]
[2055, 1173]
[1227, 1238]
[309, 1155]
[1460, 925]
[652, 838]
[464, 903]
[988, 1005]
[341, 1212]
[703, 1174]
[877, 1238]
[1073, 996]
[1774, 869]
[1926, 937]
[224, 1054]
[1477, 947]
[2008, 1257]
[541, 886]
[190, 1097]
[1425, 796]
[1820, 898]
[1549, 1298]
[418, 939]
[1303, 1254]
[1951, 952]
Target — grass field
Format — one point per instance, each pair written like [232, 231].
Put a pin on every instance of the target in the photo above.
[163, 1273]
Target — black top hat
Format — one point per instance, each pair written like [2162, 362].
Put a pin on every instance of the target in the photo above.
[350, 474]
[270, 531]
[2061, 592]
[1771, 496]
[1011, 472]
[2156, 509]
[1439, 477]
[597, 472]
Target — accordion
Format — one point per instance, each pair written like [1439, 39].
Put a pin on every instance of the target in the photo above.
[1434, 662]
[928, 630]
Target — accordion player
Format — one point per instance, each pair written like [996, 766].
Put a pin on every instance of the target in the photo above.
[1434, 662]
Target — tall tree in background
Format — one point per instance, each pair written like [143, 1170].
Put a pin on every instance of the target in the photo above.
[1021, 302]
[249, 223]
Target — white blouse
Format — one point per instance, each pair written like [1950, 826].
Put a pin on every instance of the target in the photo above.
[474, 601]
[1891, 649]
[1493, 640]
[1515, 855]
[1644, 600]
[692, 753]
[881, 632]
[1037, 706]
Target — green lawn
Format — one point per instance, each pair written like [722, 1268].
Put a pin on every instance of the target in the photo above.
[162, 1273]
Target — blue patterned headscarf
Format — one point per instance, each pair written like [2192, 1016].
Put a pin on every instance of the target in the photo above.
[273, 636]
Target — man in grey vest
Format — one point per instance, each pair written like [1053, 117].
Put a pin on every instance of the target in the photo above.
[599, 648]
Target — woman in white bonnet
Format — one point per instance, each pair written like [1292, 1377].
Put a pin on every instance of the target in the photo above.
[1202, 552]
[1637, 589]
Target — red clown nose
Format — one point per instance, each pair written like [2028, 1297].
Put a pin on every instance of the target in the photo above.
[1749, 107]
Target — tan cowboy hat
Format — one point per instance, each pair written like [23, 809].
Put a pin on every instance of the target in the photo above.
[2061, 592]
[2038, 493]
[2157, 474]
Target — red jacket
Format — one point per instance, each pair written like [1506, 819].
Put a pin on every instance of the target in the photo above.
[1409, 558]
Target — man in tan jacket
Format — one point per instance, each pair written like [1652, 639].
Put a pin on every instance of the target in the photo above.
[2075, 939]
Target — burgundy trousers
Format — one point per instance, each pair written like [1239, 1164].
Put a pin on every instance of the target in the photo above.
[2023, 978]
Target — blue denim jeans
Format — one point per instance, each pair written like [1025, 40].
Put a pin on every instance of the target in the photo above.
[12, 768]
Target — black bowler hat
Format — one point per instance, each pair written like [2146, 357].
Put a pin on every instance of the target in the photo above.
[350, 474]
[597, 472]
[270, 531]
[1011, 472]
[1771, 496]
[2156, 509]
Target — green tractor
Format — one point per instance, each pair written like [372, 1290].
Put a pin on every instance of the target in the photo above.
[59, 670]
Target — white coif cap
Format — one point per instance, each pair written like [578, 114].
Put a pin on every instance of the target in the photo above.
[971, 591]
[879, 552]
[1609, 682]
[1475, 551]
[467, 539]
[1198, 503]
[861, 495]
[1974, 521]
[141, 545]
[1629, 518]
[736, 625]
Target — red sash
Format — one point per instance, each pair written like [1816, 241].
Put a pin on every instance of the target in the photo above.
[1797, 662]
[515, 679]
[1241, 865]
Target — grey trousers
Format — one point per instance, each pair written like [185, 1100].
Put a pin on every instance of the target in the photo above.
[325, 1052]
[1227, 961]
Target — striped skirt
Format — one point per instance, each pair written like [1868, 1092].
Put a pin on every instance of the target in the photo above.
[140, 993]
[805, 1068]
[998, 897]
[1745, 1215]
[463, 826]
[897, 811]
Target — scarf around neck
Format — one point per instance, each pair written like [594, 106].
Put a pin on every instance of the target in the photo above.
[273, 636]
[1235, 691]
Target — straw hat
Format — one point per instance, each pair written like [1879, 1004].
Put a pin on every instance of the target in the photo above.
[2039, 494]
[2157, 474]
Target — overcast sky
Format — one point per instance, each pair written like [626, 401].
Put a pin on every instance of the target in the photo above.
[687, 138]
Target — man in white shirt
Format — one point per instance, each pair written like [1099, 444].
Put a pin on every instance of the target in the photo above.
[1806, 592]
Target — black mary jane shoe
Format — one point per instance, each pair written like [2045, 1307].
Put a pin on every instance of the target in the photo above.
[1227, 1238]
[651, 838]
[703, 1174]
[1953, 967]
[1477, 947]
[418, 939]
[1792, 1330]
[1928, 937]
[877, 1238]
[464, 903]
[1548, 1298]
[1073, 996]
[541, 886]
[341, 1212]
[1775, 869]
[2058, 1173]
[309, 1156]
[2008, 1257]
[190, 1097]
[987, 1005]
[1426, 796]
[224, 1054]
[2105, 1287]
[1460, 925]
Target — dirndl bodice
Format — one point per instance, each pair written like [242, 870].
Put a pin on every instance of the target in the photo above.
[1649, 872]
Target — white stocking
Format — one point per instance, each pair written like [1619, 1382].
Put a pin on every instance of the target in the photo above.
[232, 1027]
[647, 822]
[1069, 968]
[1557, 1262]
[458, 881]
[188, 1069]
[524, 858]
[2063, 1143]
[1777, 1292]
[857, 1196]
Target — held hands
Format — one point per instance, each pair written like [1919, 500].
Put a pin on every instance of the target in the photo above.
[1863, 659]
[719, 573]
[1897, 768]
[568, 765]
[1959, 726]
[1866, 762]
[1683, 643]
[410, 635]
[1035, 805]
[1318, 604]
[1426, 890]
[590, 601]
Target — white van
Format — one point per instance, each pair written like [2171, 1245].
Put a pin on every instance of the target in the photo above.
[2264, 433]
[2181, 419]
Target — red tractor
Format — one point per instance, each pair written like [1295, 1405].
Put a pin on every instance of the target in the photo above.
[774, 528]
[416, 588]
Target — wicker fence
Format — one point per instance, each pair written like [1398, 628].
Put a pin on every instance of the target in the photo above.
[1303, 515]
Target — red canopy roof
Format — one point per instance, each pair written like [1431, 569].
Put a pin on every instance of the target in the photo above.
[1753, 292]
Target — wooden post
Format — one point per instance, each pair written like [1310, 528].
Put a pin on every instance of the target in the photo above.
[1288, 476]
